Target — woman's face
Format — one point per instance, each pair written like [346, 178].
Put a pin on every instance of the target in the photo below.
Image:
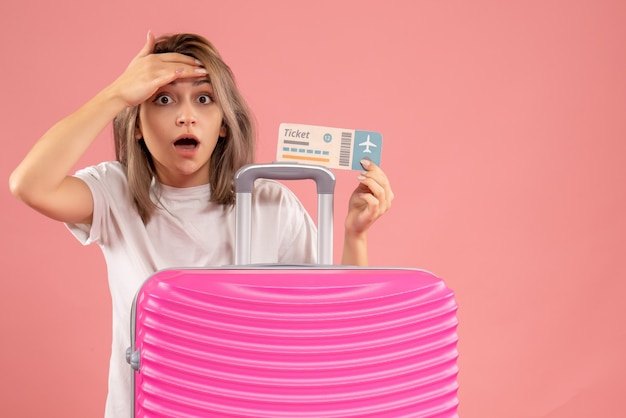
[180, 125]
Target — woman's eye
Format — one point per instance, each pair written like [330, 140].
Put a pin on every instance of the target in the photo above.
[204, 99]
[163, 99]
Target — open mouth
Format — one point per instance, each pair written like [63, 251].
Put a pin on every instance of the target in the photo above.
[186, 143]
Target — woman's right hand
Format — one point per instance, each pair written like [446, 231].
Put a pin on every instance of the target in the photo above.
[42, 179]
[147, 72]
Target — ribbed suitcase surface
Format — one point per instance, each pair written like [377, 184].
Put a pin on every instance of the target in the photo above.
[295, 342]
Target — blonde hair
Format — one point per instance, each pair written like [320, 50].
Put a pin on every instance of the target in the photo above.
[231, 152]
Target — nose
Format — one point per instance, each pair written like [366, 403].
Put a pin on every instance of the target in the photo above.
[186, 117]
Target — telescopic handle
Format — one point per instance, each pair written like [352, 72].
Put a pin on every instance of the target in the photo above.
[244, 184]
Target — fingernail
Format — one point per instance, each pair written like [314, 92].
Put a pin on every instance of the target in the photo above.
[198, 62]
[200, 70]
[179, 70]
[365, 163]
[361, 177]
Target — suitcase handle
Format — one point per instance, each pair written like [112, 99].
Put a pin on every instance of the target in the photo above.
[244, 184]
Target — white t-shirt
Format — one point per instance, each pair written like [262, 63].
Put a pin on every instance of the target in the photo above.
[186, 231]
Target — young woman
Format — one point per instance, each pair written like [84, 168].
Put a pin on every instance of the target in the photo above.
[182, 130]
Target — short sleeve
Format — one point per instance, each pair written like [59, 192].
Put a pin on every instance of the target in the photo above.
[103, 180]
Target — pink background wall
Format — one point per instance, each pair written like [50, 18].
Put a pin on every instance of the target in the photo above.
[505, 138]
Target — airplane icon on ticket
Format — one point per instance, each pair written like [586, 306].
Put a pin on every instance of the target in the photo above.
[367, 144]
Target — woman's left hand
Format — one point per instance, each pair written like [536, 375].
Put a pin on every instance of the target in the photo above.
[369, 201]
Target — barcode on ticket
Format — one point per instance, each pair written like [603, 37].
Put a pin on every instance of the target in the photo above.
[330, 147]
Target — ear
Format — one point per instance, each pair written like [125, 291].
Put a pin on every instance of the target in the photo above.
[223, 131]
[138, 133]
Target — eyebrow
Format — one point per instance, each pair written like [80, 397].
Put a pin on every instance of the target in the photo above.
[199, 82]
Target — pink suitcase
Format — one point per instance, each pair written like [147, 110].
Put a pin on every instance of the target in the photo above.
[293, 341]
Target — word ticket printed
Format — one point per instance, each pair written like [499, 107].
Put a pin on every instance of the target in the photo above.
[329, 147]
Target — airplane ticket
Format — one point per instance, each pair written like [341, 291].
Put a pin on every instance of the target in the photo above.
[329, 147]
